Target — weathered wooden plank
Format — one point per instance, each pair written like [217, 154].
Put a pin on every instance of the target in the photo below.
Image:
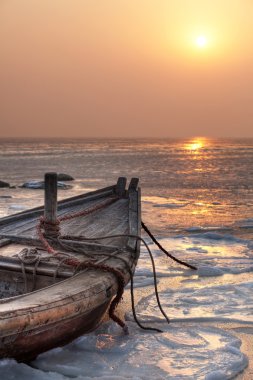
[133, 213]
[12, 283]
[16, 224]
[133, 185]
[49, 334]
[14, 264]
[121, 186]
[50, 207]
[89, 246]
[80, 200]
[134, 218]
[4, 242]
[73, 201]
[111, 220]
[41, 317]
[23, 225]
[138, 243]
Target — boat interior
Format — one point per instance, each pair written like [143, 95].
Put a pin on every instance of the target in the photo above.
[25, 265]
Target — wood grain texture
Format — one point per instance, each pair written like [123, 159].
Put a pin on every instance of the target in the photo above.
[133, 185]
[121, 186]
[56, 313]
[134, 217]
[50, 208]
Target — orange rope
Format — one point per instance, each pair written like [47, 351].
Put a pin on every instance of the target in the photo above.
[83, 265]
[88, 210]
[43, 222]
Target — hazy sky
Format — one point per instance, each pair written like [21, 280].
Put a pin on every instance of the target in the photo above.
[126, 68]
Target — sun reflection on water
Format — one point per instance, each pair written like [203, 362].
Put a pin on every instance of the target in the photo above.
[195, 145]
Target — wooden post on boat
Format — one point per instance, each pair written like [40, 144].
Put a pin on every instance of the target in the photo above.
[121, 186]
[50, 208]
[134, 214]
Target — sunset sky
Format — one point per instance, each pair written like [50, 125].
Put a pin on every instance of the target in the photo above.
[126, 68]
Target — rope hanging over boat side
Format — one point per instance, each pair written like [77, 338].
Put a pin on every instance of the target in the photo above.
[72, 261]
[164, 250]
[131, 275]
[120, 291]
[81, 238]
[84, 264]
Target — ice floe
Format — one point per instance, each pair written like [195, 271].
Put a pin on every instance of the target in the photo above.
[210, 251]
[225, 303]
[192, 352]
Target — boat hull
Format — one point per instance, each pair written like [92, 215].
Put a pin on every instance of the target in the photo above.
[47, 303]
[25, 346]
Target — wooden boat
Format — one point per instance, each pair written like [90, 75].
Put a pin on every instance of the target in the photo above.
[46, 302]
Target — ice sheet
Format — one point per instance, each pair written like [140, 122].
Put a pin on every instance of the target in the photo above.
[178, 353]
[210, 303]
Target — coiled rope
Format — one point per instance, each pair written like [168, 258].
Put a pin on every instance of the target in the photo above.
[29, 256]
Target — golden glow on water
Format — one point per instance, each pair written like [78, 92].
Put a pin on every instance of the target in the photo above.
[195, 144]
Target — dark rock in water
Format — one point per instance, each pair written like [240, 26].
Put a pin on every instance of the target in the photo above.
[4, 184]
[18, 207]
[64, 177]
[41, 185]
[34, 185]
[63, 186]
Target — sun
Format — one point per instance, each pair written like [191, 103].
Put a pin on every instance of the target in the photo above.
[201, 41]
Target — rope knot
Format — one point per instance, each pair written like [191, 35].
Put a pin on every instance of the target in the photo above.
[49, 228]
[43, 221]
[29, 256]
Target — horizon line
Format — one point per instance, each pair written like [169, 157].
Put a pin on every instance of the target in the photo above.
[121, 137]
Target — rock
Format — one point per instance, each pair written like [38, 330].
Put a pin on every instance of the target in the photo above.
[41, 185]
[4, 184]
[63, 186]
[5, 196]
[34, 185]
[17, 207]
[64, 177]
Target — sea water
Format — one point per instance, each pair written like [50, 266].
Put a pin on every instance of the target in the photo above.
[197, 198]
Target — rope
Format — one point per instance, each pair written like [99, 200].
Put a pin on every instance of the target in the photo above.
[88, 210]
[108, 255]
[153, 268]
[120, 291]
[43, 224]
[164, 250]
[29, 256]
[53, 229]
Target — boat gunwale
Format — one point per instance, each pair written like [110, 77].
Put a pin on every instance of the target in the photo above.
[26, 317]
[80, 302]
[103, 276]
[36, 211]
